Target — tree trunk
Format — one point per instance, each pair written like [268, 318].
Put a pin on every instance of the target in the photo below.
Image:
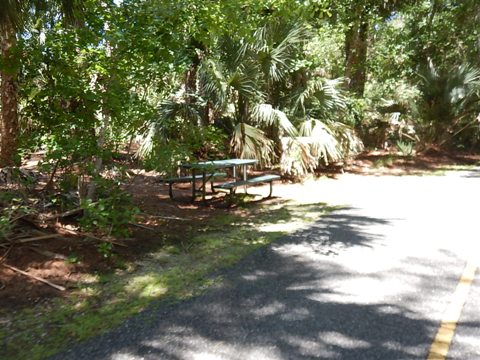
[356, 42]
[243, 111]
[101, 138]
[191, 89]
[9, 99]
[104, 117]
[207, 117]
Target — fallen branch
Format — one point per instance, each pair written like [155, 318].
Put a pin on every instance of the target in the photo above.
[90, 236]
[62, 215]
[49, 254]
[4, 257]
[35, 238]
[58, 287]
[18, 217]
[31, 222]
[164, 217]
[142, 226]
[49, 185]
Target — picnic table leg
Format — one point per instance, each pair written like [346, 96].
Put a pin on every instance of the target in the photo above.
[244, 170]
[204, 182]
[193, 185]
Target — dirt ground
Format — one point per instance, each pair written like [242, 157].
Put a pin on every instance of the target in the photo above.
[64, 260]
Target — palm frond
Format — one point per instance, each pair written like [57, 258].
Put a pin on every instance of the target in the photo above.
[319, 94]
[213, 84]
[244, 82]
[249, 142]
[296, 160]
[174, 117]
[275, 47]
[349, 142]
[147, 143]
[321, 139]
[172, 108]
[266, 114]
[448, 101]
[233, 52]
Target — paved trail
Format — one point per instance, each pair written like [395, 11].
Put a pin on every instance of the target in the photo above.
[371, 281]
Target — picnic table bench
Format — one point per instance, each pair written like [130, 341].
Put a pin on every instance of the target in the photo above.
[232, 185]
[189, 178]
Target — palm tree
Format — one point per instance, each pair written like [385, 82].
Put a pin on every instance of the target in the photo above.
[245, 84]
[316, 108]
[449, 102]
[14, 15]
[250, 88]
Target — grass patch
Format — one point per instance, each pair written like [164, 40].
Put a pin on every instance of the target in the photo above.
[444, 169]
[462, 167]
[386, 161]
[172, 273]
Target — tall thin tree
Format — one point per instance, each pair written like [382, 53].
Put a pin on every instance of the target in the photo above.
[14, 15]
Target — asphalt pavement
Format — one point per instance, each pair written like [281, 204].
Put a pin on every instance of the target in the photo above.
[369, 281]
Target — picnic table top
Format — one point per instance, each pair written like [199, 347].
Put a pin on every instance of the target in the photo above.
[225, 163]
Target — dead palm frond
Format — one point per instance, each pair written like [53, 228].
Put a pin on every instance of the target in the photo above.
[323, 144]
[349, 142]
[249, 142]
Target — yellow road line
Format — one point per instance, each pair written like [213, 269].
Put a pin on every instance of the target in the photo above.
[443, 339]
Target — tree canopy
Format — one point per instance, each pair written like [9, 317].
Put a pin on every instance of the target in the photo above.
[296, 84]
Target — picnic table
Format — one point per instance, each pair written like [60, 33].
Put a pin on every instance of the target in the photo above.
[208, 171]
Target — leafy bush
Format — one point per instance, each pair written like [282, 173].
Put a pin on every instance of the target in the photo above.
[449, 104]
[11, 208]
[166, 154]
[111, 213]
[405, 148]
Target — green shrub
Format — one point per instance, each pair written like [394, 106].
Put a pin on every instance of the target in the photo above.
[110, 213]
[405, 148]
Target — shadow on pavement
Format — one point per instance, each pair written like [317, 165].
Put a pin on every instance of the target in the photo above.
[273, 305]
[472, 174]
[336, 232]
